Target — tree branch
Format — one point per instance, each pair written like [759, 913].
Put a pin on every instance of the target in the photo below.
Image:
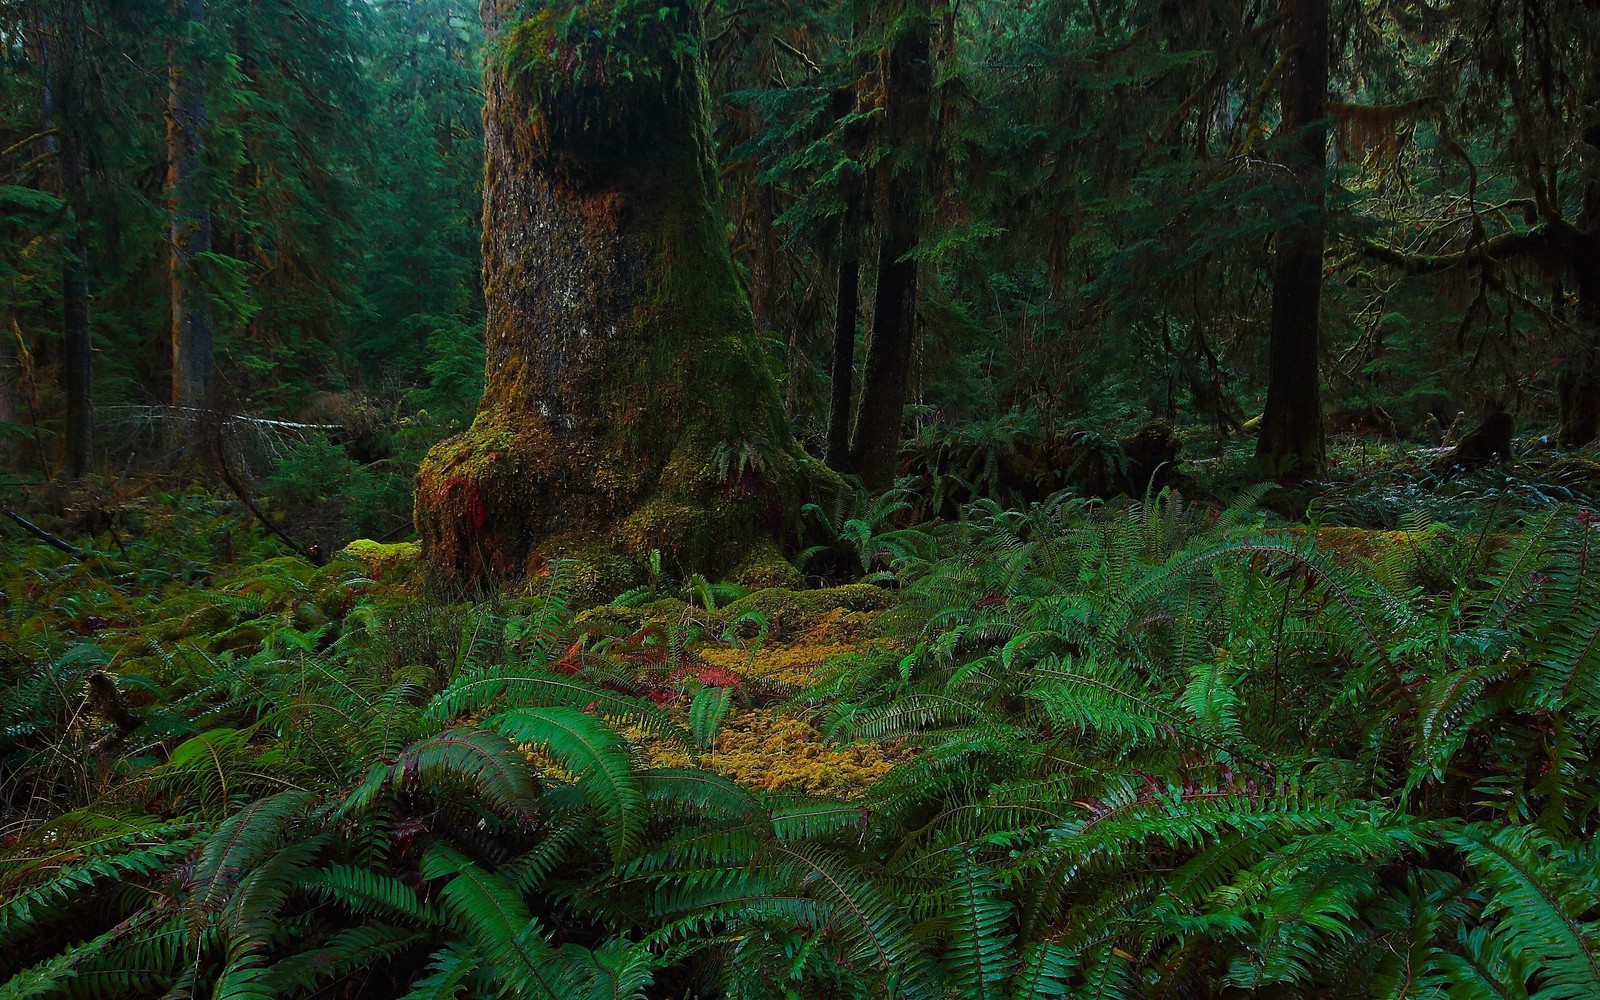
[43, 535]
[1499, 248]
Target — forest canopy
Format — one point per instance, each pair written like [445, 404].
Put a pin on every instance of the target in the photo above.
[807, 498]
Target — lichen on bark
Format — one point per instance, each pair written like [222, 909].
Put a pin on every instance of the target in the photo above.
[627, 407]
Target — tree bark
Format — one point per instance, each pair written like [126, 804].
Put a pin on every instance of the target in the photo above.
[1579, 384]
[842, 391]
[627, 407]
[63, 99]
[1292, 442]
[190, 223]
[10, 372]
[907, 88]
[847, 300]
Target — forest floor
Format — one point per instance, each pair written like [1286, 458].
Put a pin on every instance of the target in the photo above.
[174, 580]
[1382, 673]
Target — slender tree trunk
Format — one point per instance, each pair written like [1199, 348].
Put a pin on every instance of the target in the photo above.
[64, 109]
[627, 407]
[190, 236]
[907, 88]
[847, 301]
[764, 266]
[842, 391]
[1292, 441]
[1579, 385]
[10, 373]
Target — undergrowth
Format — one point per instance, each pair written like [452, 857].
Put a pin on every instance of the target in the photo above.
[1146, 751]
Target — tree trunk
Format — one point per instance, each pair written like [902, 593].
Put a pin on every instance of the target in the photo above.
[64, 109]
[10, 372]
[763, 262]
[907, 86]
[190, 225]
[1579, 384]
[1291, 424]
[847, 301]
[627, 407]
[842, 391]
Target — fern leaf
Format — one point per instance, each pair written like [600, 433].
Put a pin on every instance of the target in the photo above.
[596, 755]
[1538, 908]
[980, 955]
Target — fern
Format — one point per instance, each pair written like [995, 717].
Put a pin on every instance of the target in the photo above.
[1537, 907]
[595, 755]
[479, 759]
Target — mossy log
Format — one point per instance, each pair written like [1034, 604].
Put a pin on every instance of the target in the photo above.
[627, 406]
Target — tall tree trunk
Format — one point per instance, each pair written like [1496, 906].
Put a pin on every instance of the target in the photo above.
[847, 300]
[1292, 441]
[64, 97]
[763, 261]
[10, 373]
[907, 88]
[842, 391]
[191, 221]
[1579, 385]
[627, 407]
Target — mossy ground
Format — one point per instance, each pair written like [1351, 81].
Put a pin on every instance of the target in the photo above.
[770, 740]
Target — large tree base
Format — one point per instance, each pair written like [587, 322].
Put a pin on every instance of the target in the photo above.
[493, 513]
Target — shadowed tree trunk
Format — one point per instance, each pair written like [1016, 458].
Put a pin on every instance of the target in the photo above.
[65, 57]
[10, 372]
[1579, 385]
[1292, 441]
[847, 301]
[906, 89]
[626, 407]
[191, 222]
[842, 392]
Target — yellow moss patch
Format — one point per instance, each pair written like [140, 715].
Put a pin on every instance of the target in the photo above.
[791, 665]
[773, 750]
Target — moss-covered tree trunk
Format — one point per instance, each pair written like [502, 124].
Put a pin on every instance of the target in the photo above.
[1292, 440]
[627, 407]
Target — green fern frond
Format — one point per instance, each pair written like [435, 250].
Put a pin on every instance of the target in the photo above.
[494, 917]
[1538, 909]
[369, 893]
[450, 969]
[595, 755]
[979, 956]
[478, 759]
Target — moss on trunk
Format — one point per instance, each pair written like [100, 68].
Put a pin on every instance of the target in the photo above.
[626, 407]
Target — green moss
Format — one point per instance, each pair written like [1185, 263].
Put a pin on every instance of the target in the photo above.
[786, 611]
[616, 619]
[372, 554]
[791, 610]
[765, 569]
